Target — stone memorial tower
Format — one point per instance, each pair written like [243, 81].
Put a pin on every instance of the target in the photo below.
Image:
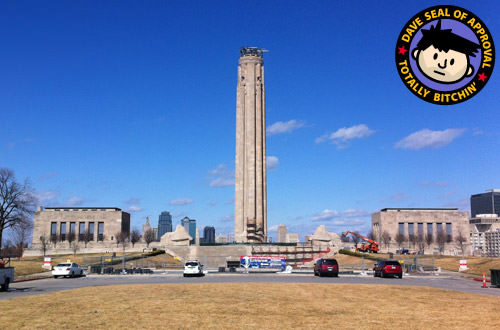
[250, 215]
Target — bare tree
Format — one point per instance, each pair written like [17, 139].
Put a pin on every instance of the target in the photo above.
[400, 239]
[370, 235]
[386, 239]
[118, 238]
[441, 240]
[344, 239]
[87, 237]
[71, 237]
[355, 239]
[461, 241]
[54, 238]
[74, 247]
[123, 239]
[428, 240]
[21, 234]
[148, 236]
[413, 240]
[16, 201]
[421, 243]
[8, 250]
[44, 244]
[135, 236]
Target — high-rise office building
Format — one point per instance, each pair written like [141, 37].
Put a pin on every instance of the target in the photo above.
[282, 234]
[485, 203]
[164, 223]
[209, 234]
[190, 226]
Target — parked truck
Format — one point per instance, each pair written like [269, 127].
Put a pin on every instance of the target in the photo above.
[6, 274]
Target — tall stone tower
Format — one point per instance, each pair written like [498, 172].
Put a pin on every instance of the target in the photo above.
[250, 215]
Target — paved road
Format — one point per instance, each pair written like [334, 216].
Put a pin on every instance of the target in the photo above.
[23, 289]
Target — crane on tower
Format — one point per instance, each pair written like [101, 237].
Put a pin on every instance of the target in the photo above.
[368, 245]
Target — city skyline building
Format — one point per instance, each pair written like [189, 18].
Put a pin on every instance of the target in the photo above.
[485, 203]
[190, 226]
[250, 218]
[282, 231]
[209, 234]
[164, 223]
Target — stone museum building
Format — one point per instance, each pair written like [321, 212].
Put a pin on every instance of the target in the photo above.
[96, 225]
[420, 222]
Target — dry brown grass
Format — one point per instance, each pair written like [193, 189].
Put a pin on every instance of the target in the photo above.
[252, 306]
[477, 265]
[27, 267]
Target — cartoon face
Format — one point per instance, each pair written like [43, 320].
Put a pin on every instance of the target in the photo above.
[444, 67]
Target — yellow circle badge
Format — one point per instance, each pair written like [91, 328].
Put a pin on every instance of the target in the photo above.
[445, 55]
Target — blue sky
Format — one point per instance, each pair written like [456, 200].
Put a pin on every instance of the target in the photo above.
[132, 104]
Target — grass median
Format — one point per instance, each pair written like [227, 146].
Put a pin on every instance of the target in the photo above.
[252, 306]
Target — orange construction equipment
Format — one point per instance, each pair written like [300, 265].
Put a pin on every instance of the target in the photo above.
[484, 280]
[368, 245]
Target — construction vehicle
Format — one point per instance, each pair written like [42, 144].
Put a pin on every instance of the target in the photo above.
[368, 245]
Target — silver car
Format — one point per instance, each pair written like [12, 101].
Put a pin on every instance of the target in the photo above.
[193, 268]
[67, 269]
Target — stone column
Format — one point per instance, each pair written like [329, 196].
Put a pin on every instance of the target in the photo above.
[250, 216]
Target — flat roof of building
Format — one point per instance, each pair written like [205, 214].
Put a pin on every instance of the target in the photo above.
[418, 209]
[83, 208]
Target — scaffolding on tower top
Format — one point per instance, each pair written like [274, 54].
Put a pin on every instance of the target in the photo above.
[254, 51]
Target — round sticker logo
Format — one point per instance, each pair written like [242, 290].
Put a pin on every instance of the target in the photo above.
[445, 55]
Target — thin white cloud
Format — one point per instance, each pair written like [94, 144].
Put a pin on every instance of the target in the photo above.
[398, 197]
[75, 201]
[48, 176]
[426, 138]
[45, 196]
[219, 170]
[134, 208]
[448, 194]
[272, 162]
[227, 218]
[434, 184]
[178, 214]
[327, 215]
[477, 131]
[273, 228]
[284, 127]
[350, 222]
[181, 201]
[133, 201]
[343, 135]
[354, 213]
[221, 176]
[462, 204]
[221, 182]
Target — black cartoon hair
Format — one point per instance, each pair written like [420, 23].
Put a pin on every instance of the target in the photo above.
[444, 40]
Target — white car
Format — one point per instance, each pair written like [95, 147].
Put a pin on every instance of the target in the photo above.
[67, 269]
[193, 268]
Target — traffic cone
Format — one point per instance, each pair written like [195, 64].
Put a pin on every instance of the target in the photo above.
[484, 279]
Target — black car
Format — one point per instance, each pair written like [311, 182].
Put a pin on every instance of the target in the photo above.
[326, 267]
